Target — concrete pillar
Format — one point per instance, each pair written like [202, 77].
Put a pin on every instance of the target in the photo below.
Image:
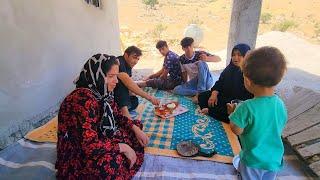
[244, 23]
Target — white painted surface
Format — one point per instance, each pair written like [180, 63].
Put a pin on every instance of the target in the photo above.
[43, 45]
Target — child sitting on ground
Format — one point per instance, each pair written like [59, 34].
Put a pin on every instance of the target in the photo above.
[170, 74]
[261, 120]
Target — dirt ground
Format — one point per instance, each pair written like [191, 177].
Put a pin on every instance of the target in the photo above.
[299, 20]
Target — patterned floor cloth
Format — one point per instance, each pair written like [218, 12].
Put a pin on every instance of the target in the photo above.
[30, 160]
[33, 160]
[206, 132]
[45, 133]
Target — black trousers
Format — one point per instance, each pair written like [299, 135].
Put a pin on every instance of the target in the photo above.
[133, 104]
[122, 97]
[218, 111]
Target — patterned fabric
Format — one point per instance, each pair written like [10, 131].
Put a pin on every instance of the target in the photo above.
[205, 131]
[171, 63]
[92, 77]
[29, 160]
[83, 151]
[196, 57]
[45, 133]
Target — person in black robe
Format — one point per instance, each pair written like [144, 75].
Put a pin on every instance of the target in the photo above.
[229, 87]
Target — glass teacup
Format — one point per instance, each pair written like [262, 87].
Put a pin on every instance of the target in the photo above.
[236, 102]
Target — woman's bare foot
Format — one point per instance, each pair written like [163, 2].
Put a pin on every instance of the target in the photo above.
[204, 111]
[195, 99]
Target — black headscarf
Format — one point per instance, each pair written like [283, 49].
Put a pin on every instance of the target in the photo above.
[92, 77]
[230, 84]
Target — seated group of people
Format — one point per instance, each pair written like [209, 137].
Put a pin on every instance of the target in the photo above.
[189, 75]
[97, 138]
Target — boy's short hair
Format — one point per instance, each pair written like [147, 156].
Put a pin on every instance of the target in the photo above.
[161, 44]
[133, 50]
[264, 66]
[187, 41]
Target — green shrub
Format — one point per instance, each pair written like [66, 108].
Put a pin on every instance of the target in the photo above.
[174, 41]
[150, 3]
[195, 20]
[284, 25]
[317, 30]
[158, 30]
[265, 18]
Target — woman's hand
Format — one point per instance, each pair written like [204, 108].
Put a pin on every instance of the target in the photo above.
[141, 136]
[129, 153]
[213, 100]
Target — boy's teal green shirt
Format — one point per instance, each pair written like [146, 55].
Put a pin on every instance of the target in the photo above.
[262, 120]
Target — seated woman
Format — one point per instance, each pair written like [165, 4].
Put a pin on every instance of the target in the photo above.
[229, 87]
[95, 141]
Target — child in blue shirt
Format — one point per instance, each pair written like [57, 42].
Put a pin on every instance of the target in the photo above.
[261, 120]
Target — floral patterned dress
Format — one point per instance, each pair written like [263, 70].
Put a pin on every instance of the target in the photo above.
[83, 152]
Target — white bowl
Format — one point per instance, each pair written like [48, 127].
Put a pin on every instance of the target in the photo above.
[171, 105]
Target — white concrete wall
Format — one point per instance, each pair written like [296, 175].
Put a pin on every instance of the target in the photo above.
[244, 23]
[43, 45]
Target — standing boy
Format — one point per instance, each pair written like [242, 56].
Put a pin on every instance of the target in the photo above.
[261, 120]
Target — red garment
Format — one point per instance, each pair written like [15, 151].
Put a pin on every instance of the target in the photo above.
[82, 151]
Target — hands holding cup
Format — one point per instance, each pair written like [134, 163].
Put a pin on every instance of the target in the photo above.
[232, 105]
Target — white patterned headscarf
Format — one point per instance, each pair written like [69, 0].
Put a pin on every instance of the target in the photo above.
[92, 77]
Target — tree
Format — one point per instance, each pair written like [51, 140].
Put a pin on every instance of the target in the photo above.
[151, 3]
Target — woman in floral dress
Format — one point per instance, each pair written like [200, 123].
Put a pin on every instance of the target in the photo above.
[95, 141]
